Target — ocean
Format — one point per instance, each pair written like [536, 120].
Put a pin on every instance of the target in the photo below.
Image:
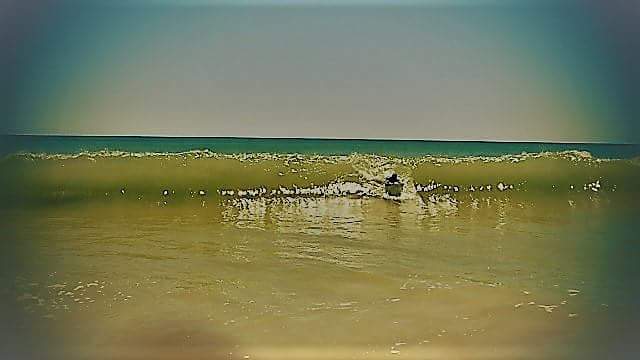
[231, 145]
[235, 248]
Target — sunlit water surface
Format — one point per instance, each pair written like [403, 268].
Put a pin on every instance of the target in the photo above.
[488, 276]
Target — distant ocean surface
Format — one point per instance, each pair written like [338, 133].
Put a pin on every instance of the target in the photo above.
[234, 145]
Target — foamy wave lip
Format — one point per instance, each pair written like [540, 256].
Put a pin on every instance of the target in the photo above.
[333, 189]
[573, 155]
[193, 154]
[433, 186]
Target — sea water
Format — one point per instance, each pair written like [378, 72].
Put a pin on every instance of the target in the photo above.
[289, 249]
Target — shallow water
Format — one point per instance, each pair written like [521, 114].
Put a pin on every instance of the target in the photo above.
[539, 270]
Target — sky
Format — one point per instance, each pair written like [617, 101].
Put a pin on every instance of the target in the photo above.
[505, 70]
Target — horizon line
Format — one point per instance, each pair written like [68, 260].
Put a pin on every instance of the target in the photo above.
[323, 138]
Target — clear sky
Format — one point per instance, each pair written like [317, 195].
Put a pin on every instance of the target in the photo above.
[434, 69]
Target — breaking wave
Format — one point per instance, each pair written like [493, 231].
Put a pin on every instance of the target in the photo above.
[206, 174]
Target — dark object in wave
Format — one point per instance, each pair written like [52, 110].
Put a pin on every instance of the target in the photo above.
[392, 185]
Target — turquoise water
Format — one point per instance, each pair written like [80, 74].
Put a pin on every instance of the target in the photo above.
[231, 145]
